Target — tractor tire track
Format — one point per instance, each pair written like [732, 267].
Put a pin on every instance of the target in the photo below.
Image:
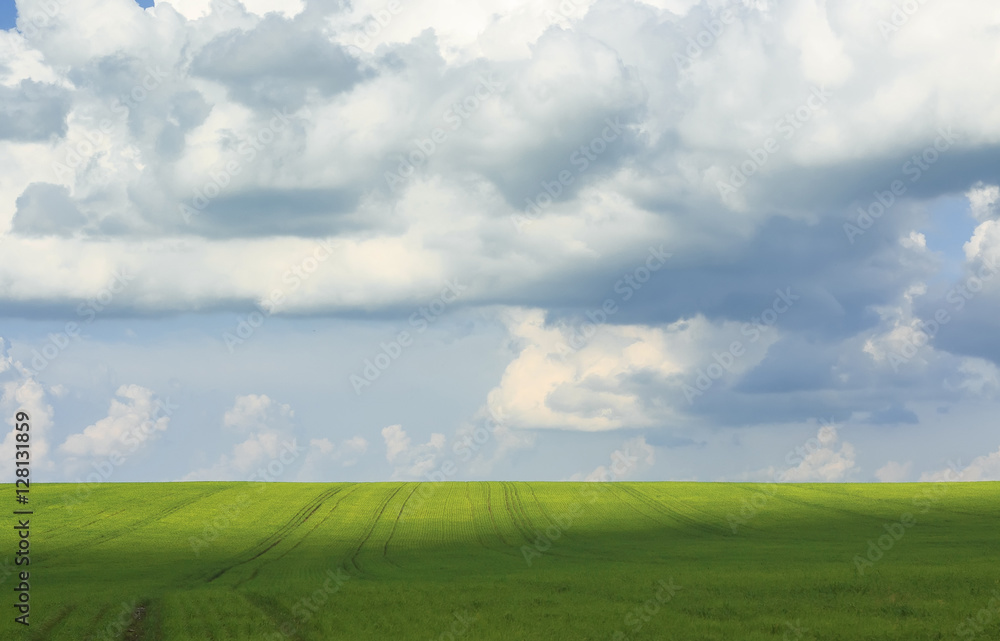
[472, 515]
[519, 514]
[677, 516]
[378, 517]
[279, 535]
[395, 523]
[321, 522]
[627, 501]
[129, 528]
[705, 523]
[541, 508]
[489, 508]
[50, 625]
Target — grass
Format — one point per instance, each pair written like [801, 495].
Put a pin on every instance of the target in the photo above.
[509, 561]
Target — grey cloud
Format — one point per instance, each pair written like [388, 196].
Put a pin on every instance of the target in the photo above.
[33, 111]
[45, 209]
[276, 64]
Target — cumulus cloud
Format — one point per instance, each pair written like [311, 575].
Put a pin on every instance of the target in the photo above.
[634, 457]
[22, 392]
[164, 142]
[984, 201]
[322, 455]
[33, 111]
[893, 472]
[270, 449]
[165, 102]
[982, 468]
[258, 412]
[825, 459]
[135, 419]
[620, 376]
[408, 460]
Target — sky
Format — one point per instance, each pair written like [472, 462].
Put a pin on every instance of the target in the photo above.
[750, 240]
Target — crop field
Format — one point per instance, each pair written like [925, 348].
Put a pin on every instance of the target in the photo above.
[509, 561]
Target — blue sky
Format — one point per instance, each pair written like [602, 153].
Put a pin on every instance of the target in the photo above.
[659, 240]
[8, 12]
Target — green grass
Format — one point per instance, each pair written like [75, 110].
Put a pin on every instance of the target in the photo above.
[393, 561]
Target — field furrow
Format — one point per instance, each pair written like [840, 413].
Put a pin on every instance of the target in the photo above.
[529, 561]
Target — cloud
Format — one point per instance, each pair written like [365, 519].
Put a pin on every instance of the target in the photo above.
[258, 412]
[184, 93]
[45, 209]
[33, 111]
[634, 457]
[322, 454]
[269, 450]
[134, 420]
[208, 148]
[622, 376]
[893, 472]
[408, 460]
[984, 201]
[20, 391]
[823, 460]
[982, 468]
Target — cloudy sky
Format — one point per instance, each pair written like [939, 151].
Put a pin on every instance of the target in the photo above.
[551, 239]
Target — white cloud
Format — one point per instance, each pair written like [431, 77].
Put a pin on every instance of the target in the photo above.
[984, 201]
[634, 457]
[569, 79]
[408, 460]
[134, 419]
[982, 468]
[258, 412]
[893, 472]
[823, 460]
[551, 385]
[322, 454]
[21, 392]
[270, 449]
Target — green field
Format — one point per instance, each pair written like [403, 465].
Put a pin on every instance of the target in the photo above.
[509, 561]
